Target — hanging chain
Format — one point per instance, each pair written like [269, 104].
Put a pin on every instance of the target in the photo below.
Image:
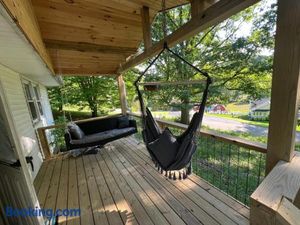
[64, 100]
[163, 6]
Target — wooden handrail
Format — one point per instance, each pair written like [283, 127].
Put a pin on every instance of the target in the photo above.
[256, 146]
[287, 213]
[269, 204]
[41, 132]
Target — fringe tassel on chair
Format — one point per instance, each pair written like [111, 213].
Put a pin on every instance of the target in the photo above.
[174, 176]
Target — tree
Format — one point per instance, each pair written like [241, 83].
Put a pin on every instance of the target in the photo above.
[236, 61]
[55, 97]
[98, 93]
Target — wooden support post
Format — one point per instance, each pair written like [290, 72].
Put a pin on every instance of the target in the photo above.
[146, 27]
[122, 93]
[44, 143]
[285, 84]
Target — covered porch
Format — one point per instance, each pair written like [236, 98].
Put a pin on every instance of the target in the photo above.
[120, 185]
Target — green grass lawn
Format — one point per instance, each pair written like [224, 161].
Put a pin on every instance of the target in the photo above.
[242, 108]
[78, 113]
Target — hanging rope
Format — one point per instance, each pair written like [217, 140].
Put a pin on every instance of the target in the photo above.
[64, 101]
[163, 6]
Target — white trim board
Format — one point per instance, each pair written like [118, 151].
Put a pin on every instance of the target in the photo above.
[17, 54]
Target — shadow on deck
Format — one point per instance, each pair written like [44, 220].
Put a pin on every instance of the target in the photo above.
[120, 185]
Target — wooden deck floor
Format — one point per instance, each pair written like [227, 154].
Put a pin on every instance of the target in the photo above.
[121, 186]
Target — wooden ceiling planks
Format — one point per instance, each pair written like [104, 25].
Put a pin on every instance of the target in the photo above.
[69, 62]
[93, 36]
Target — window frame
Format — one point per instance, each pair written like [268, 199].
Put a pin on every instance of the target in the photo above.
[38, 98]
[35, 98]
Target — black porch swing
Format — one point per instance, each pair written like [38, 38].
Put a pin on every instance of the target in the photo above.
[170, 153]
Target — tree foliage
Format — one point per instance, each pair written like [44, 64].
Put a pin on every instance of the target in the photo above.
[100, 94]
[237, 53]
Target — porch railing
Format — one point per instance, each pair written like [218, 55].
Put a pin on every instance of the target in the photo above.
[234, 165]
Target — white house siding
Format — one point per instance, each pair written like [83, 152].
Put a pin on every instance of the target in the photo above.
[15, 98]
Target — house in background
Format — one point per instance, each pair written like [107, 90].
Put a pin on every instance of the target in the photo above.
[24, 79]
[260, 109]
[217, 108]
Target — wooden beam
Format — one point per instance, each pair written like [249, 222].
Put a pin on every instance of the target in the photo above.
[22, 13]
[146, 25]
[198, 6]
[122, 93]
[85, 73]
[215, 14]
[285, 84]
[87, 47]
[164, 83]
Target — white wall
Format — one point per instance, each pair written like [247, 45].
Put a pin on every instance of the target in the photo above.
[15, 98]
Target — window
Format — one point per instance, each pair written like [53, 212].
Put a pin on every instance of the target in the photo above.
[34, 101]
[38, 99]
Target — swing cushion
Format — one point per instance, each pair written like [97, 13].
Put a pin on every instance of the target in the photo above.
[164, 148]
[123, 122]
[99, 132]
[75, 131]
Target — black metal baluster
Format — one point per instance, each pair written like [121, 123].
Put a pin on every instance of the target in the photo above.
[222, 167]
[228, 169]
[214, 162]
[247, 179]
[259, 170]
[238, 173]
[196, 157]
[206, 140]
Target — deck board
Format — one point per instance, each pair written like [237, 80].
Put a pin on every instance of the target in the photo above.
[73, 194]
[62, 196]
[120, 185]
[209, 203]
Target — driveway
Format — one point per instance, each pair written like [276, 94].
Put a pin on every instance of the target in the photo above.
[224, 124]
[237, 126]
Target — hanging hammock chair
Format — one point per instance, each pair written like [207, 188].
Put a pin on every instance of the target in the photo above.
[171, 153]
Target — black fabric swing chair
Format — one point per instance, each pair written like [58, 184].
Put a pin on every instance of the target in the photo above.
[171, 153]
